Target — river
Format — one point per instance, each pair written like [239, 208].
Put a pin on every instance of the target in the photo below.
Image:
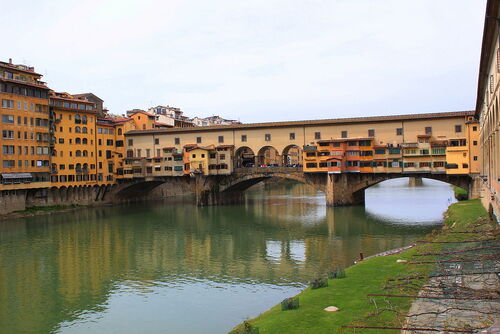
[172, 267]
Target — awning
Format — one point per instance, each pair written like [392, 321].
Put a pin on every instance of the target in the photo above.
[17, 176]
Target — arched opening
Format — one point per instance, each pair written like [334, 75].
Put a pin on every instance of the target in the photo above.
[84, 141]
[292, 156]
[78, 129]
[244, 157]
[78, 153]
[78, 141]
[268, 156]
[84, 129]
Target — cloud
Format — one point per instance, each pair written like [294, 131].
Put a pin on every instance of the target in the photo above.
[260, 60]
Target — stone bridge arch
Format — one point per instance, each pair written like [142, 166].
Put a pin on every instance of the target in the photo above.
[348, 189]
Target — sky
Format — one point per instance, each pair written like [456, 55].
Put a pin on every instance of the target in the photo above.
[255, 61]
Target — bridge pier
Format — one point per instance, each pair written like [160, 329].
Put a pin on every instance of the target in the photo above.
[339, 190]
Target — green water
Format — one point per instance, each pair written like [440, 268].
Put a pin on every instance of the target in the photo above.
[171, 267]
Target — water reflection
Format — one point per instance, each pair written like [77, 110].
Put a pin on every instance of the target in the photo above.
[155, 267]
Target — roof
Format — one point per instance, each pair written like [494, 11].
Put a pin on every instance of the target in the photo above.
[490, 22]
[346, 121]
[137, 111]
[91, 95]
[39, 84]
[19, 68]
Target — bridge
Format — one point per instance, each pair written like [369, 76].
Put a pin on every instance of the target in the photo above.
[341, 157]
[339, 189]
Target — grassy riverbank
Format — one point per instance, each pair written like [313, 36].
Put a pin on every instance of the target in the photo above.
[372, 276]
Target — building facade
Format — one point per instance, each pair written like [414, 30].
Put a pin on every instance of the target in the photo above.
[445, 143]
[487, 109]
[25, 141]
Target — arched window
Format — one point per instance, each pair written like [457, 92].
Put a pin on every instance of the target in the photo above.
[85, 153]
[119, 131]
[78, 141]
[84, 141]
[85, 166]
[84, 129]
[84, 119]
[78, 167]
[77, 129]
[78, 153]
[78, 120]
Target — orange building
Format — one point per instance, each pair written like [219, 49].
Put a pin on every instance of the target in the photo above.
[74, 157]
[25, 128]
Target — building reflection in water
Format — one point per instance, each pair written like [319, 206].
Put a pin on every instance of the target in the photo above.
[58, 268]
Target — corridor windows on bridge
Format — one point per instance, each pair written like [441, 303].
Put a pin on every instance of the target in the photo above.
[343, 134]
[157, 141]
[243, 138]
[292, 135]
[371, 133]
[317, 135]
[198, 140]
[177, 141]
[221, 139]
[267, 137]
[428, 130]
[130, 142]
[458, 128]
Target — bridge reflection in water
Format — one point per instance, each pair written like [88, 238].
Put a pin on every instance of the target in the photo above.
[156, 268]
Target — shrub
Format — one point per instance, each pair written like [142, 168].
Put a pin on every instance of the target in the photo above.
[320, 282]
[338, 273]
[290, 303]
[247, 329]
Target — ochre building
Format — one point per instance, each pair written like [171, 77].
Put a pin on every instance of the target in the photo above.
[487, 110]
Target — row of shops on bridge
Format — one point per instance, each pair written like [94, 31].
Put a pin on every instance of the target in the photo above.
[346, 155]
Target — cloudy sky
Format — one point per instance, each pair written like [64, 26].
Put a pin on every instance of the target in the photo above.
[258, 60]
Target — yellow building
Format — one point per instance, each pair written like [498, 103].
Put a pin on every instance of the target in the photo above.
[487, 110]
[74, 157]
[25, 137]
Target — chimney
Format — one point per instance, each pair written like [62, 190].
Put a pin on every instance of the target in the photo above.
[10, 60]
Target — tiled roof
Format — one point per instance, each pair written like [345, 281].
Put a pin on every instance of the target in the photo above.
[351, 120]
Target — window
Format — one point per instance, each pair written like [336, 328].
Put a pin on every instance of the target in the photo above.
[177, 141]
[438, 164]
[317, 135]
[7, 119]
[311, 165]
[475, 142]
[84, 129]
[458, 128]
[157, 141]
[380, 151]
[243, 138]
[222, 157]
[221, 139]
[198, 140]
[8, 149]
[8, 104]
[119, 131]
[438, 151]
[9, 163]
[130, 142]
[475, 158]
[371, 133]
[193, 156]
[7, 134]
[425, 164]
[267, 137]
[465, 165]
[109, 142]
[343, 134]
[77, 129]
[474, 128]
[428, 130]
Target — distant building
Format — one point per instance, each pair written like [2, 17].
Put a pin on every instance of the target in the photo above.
[98, 102]
[213, 120]
[217, 120]
[167, 116]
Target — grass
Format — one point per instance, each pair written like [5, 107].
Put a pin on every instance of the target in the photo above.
[367, 277]
[460, 193]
